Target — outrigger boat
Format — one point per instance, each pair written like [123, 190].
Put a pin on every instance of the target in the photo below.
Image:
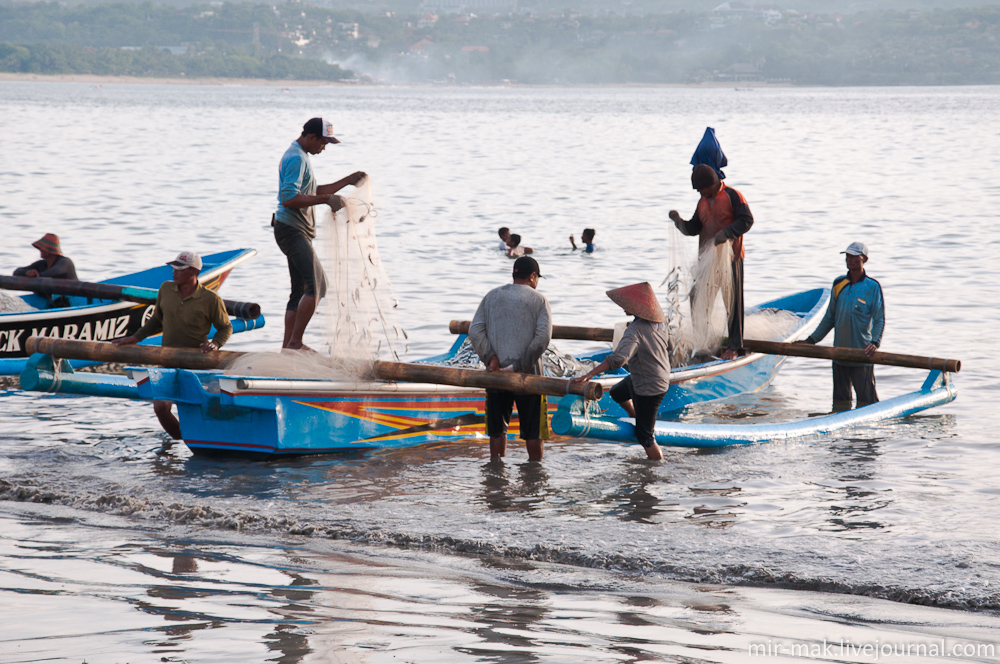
[98, 319]
[264, 417]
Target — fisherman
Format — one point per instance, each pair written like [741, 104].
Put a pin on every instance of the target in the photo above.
[645, 346]
[586, 239]
[295, 224]
[722, 215]
[185, 312]
[510, 331]
[856, 314]
[53, 265]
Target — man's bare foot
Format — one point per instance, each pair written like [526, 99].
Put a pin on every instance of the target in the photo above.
[729, 354]
[301, 347]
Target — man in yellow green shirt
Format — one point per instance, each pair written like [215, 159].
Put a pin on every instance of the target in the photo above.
[185, 313]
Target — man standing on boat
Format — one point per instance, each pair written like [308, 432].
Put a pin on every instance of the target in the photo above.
[185, 312]
[856, 314]
[722, 215]
[295, 225]
[510, 332]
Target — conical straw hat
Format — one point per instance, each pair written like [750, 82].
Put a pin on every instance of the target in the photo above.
[49, 243]
[638, 300]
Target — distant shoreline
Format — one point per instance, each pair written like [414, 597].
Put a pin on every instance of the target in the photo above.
[219, 80]
[152, 80]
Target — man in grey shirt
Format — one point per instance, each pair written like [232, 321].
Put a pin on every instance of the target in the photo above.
[510, 331]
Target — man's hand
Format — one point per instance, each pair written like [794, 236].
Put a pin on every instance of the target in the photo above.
[675, 217]
[31, 273]
[493, 364]
[721, 237]
[803, 342]
[208, 347]
[871, 349]
[125, 341]
[357, 177]
[335, 202]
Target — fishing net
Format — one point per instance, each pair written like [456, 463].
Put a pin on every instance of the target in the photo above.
[554, 362]
[359, 310]
[698, 296]
[10, 303]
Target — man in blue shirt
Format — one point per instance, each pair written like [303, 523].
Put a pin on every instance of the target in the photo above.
[857, 316]
[295, 225]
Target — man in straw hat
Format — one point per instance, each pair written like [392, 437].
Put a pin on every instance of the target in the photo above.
[722, 215]
[185, 313]
[645, 346]
[295, 225]
[510, 331]
[53, 264]
[856, 314]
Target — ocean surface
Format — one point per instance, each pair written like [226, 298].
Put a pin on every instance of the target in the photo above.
[875, 545]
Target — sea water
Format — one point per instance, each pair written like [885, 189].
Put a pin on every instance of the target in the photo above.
[832, 548]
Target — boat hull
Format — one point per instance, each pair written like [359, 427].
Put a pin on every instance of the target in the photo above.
[260, 418]
[89, 319]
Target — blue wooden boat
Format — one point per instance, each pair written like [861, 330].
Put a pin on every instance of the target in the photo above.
[104, 320]
[573, 419]
[263, 417]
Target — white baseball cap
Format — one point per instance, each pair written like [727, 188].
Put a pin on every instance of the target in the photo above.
[186, 259]
[856, 249]
[320, 127]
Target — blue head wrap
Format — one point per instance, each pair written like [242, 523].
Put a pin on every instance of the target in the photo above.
[710, 152]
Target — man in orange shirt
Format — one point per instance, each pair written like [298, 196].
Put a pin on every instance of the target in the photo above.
[722, 215]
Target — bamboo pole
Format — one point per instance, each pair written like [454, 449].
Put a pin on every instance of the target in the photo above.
[852, 355]
[767, 347]
[558, 331]
[496, 380]
[48, 286]
[187, 358]
[172, 358]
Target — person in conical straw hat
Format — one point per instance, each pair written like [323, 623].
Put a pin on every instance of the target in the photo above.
[645, 346]
[53, 264]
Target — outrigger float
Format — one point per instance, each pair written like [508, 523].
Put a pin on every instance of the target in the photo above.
[107, 310]
[411, 404]
[574, 419]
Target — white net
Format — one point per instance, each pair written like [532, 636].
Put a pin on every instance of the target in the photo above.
[698, 296]
[11, 303]
[359, 310]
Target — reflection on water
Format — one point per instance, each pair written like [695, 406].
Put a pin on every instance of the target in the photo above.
[529, 490]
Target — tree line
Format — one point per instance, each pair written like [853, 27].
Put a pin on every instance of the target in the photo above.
[954, 46]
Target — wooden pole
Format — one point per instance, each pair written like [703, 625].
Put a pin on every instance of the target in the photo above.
[97, 351]
[47, 286]
[852, 355]
[187, 358]
[558, 331]
[767, 347]
[496, 380]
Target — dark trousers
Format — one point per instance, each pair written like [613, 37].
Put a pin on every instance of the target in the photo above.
[304, 268]
[736, 310]
[861, 378]
[646, 408]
